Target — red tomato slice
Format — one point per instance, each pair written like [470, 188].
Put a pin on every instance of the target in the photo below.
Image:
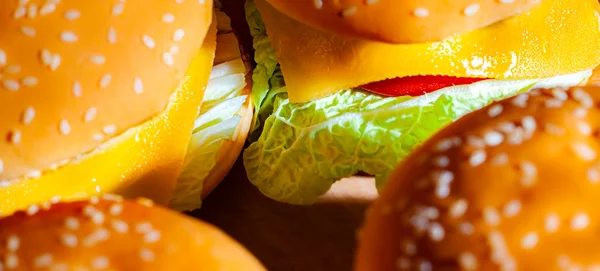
[416, 85]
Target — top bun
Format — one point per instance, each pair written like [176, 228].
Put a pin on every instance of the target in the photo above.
[76, 73]
[108, 233]
[406, 21]
[514, 186]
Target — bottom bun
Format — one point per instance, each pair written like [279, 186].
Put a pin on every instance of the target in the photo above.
[513, 186]
[111, 234]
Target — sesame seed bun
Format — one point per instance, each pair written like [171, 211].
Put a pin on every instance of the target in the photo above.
[112, 234]
[78, 73]
[396, 21]
[513, 186]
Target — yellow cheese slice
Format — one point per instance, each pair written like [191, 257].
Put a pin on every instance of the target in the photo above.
[144, 161]
[553, 38]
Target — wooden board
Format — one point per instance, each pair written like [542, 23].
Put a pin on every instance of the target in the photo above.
[287, 237]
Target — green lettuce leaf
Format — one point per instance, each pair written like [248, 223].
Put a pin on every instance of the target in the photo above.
[216, 122]
[304, 148]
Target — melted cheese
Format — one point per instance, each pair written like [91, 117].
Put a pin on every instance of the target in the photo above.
[554, 38]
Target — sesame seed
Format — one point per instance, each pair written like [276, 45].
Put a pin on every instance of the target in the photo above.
[152, 236]
[143, 227]
[15, 136]
[436, 232]
[148, 41]
[13, 69]
[11, 85]
[105, 80]
[520, 101]
[95, 237]
[112, 197]
[529, 241]
[100, 263]
[580, 112]
[28, 31]
[403, 263]
[34, 174]
[28, 115]
[506, 127]
[443, 145]
[118, 9]
[98, 59]
[47, 9]
[443, 179]
[77, 91]
[109, 129]
[60, 267]
[168, 59]
[1, 167]
[55, 63]
[421, 12]
[410, 248]
[2, 58]
[64, 127]
[116, 209]
[138, 85]
[564, 261]
[20, 12]
[119, 226]
[583, 97]
[69, 240]
[512, 208]
[32, 209]
[11, 261]
[553, 103]
[551, 223]
[491, 216]
[560, 94]
[506, 1]
[458, 208]
[584, 151]
[428, 212]
[146, 255]
[580, 221]
[32, 11]
[476, 142]
[318, 4]
[471, 10]
[529, 124]
[43, 260]
[593, 175]
[371, 2]
[112, 36]
[349, 11]
[529, 171]
[554, 129]
[495, 110]
[425, 266]
[29, 81]
[168, 18]
[178, 35]
[98, 137]
[441, 161]
[72, 14]
[500, 159]
[174, 49]
[467, 261]
[90, 114]
[55, 199]
[72, 223]
[477, 158]
[493, 138]
[12, 243]
[584, 128]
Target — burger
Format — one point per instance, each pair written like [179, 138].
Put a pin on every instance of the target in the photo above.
[513, 186]
[352, 87]
[108, 233]
[134, 98]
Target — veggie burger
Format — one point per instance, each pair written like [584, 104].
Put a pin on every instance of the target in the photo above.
[104, 97]
[348, 87]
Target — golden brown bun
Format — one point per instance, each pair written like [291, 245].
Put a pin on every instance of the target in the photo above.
[111, 234]
[77, 73]
[394, 21]
[514, 186]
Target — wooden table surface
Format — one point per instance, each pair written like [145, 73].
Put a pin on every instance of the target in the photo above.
[287, 237]
[282, 236]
